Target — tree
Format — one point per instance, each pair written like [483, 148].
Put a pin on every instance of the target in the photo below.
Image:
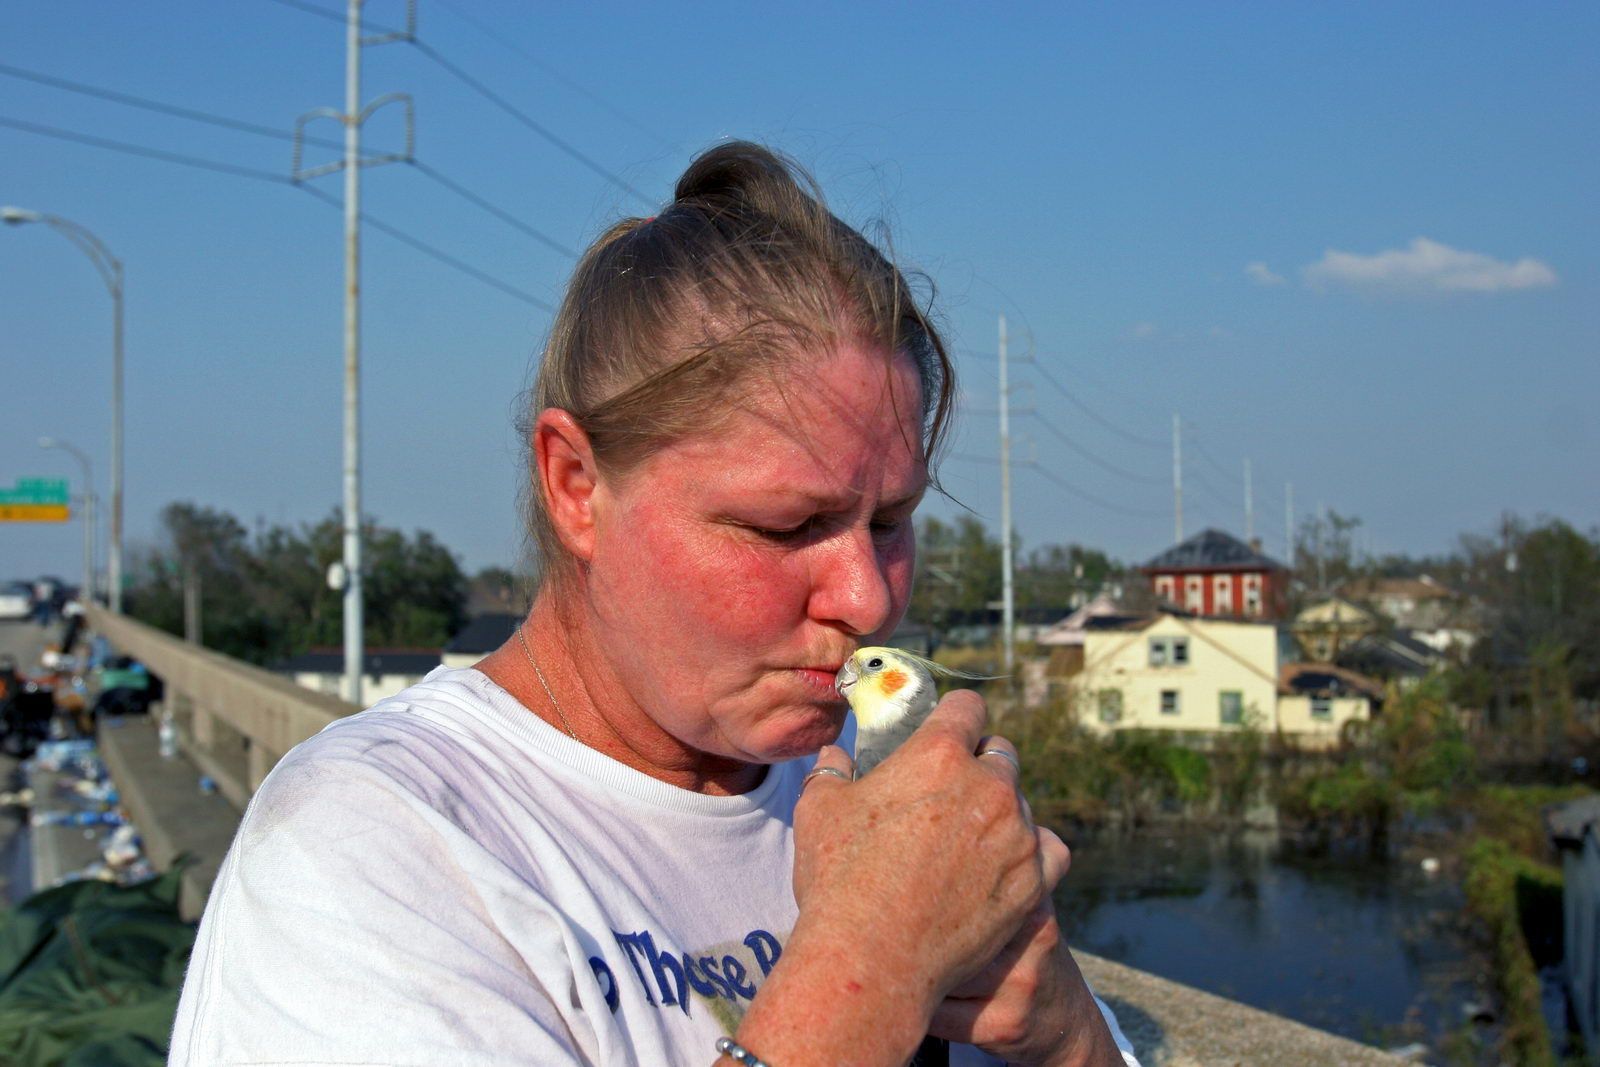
[958, 570]
[266, 600]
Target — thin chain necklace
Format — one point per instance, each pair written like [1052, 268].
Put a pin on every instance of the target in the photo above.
[537, 673]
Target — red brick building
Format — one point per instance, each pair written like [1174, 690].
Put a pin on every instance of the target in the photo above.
[1216, 574]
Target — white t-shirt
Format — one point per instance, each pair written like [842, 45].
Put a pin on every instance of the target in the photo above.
[446, 879]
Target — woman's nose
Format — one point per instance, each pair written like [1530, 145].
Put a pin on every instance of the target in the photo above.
[851, 587]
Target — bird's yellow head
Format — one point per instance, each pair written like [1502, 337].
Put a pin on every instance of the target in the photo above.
[882, 684]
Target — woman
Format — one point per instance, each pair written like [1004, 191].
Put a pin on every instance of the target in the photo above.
[616, 840]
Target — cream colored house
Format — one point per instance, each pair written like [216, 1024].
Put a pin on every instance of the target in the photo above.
[385, 672]
[1168, 672]
[1207, 676]
[1317, 700]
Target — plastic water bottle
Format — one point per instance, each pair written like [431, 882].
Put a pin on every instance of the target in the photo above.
[168, 733]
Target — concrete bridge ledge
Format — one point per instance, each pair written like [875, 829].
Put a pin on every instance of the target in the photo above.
[237, 719]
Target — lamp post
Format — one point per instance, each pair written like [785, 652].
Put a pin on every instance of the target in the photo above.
[88, 509]
[110, 269]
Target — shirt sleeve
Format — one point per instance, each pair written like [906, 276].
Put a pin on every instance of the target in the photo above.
[353, 924]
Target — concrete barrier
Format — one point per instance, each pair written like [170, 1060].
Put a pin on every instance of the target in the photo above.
[235, 719]
[239, 720]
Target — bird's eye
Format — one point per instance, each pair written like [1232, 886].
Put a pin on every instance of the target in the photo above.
[875, 663]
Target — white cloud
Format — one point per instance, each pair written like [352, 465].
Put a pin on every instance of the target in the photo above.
[1143, 331]
[1427, 266]
[1262, 274]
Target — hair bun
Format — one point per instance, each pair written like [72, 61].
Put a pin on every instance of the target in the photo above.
[752, 176]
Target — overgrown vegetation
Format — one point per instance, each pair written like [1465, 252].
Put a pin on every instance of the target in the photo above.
[1508, 895]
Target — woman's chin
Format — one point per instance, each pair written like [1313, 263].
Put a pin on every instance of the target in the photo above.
[800, 737]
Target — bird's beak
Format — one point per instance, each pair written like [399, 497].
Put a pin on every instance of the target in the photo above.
[845, 678]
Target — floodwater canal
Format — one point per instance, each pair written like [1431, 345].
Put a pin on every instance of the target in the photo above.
[1369, 947]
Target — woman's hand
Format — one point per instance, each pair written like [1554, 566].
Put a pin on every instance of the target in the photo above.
[927, 868]
[1030, 1005]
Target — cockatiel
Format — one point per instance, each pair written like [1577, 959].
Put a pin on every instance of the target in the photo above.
[891, 691]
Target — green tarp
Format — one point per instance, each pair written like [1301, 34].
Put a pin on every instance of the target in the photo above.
[90, 974]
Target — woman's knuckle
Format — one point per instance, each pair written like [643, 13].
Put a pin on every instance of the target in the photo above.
[1010, 1025]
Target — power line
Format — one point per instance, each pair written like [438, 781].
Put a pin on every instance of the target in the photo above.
[322, 12]
[488, 94]
[1143, 479]
[275, 179]
[523, 117]
[1133, 438]
[130, 100]
[434, 253]
[593, 97]
[1205, 453]
[499, 213]
[140, 150]
[1051, 476]
[243, 126]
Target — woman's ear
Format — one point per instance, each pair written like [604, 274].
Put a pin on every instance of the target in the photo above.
[568, 478]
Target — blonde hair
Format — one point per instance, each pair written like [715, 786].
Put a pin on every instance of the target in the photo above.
[667, 318]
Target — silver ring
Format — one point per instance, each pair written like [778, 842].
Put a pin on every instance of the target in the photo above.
[836, 772]
[995, 750]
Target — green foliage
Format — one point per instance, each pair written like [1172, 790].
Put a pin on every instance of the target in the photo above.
[1504, 891]
[1237, 761]
[266, 597]
[1420, 742]
[1514, 814]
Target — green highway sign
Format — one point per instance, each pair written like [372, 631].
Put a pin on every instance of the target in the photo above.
[36, 491]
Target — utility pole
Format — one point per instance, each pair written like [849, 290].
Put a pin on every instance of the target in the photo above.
[1249, 507]
[192, 632]
[1007, 582]
[352, 118]
[1288, 522]
[1177, 480]
[1322, 564]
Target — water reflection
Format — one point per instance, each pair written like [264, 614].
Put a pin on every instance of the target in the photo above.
[1364, 946]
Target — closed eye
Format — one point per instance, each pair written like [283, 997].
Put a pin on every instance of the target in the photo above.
[785, 535]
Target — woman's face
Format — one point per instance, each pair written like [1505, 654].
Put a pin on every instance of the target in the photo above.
[734, 572]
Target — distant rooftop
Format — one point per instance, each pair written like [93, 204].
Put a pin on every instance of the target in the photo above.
[1212, 550]
[483, 634]
[1423, 588]
[376, 661]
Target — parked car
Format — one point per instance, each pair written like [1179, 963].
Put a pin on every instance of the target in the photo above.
[16, 601]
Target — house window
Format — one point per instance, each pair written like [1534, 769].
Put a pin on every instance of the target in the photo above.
[1232, 707]
[1222, 595]
[1194, 597]
[1110, 705]
[1322, 708]
[1169, 702]
[1164, 587]
[1169, 651]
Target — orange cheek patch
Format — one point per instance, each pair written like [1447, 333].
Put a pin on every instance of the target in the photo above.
[891, 682]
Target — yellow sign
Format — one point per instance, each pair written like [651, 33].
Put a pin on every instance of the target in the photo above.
[33, 513]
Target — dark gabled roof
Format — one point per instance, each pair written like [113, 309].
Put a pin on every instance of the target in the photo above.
[483, 633]
[1212, 550]
[1391, 654]
[376, 661]
[1320, 679]
[1116, 622]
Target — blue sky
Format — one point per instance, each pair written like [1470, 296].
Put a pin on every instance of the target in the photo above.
[1355, 244]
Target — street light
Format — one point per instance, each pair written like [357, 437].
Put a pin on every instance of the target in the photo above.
[88, 510]
[110, 269]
